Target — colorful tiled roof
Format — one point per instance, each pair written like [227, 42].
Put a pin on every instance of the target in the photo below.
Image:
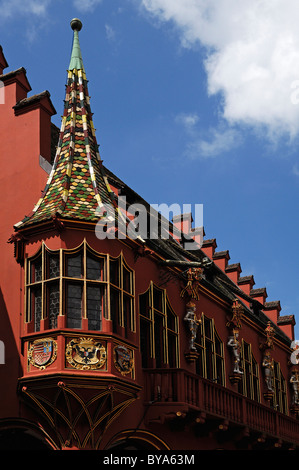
[77, 185]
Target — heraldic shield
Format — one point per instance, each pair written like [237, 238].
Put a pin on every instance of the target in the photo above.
[42, 352]
[85, 354]
[123, 360]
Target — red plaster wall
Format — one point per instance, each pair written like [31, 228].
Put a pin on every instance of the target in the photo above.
[23, 137]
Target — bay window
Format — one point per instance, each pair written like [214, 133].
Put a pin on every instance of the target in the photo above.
[79, 284]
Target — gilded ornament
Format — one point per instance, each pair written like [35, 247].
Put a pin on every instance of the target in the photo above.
[270, 333]
[192, 287]
[237, 312]
[86, 354]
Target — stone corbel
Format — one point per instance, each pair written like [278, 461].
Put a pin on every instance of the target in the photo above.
[19, 242]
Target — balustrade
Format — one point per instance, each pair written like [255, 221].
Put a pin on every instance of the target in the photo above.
[180, 386]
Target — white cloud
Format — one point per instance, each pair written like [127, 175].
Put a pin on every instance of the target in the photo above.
[252, 56]
[218, 142]
[86, 5]
[110, 33]
[9, 8]
[38, 8]
[295, 170]
[187, 120]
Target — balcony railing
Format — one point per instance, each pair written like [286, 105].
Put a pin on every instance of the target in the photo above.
[180, 386]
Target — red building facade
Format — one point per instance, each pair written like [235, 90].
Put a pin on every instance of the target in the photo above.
[113, 338]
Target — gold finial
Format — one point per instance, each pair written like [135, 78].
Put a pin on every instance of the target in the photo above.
[76, 24]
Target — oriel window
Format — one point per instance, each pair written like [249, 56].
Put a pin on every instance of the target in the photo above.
[79, 284]
[72, 283]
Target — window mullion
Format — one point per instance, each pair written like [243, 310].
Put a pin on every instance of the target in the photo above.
[133, 311]
[108, 288]
[43, 282]
[251, 386]
[203, 341]
[26, 309]
[61, 273]
[120, 273]
[165, 330]
[213, 348]
[152, 320]
[84, 300]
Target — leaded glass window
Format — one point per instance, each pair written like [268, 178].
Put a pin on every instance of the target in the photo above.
[210, 363]
[75, 284]
[121, 296]
[158, 329]
[249, 385]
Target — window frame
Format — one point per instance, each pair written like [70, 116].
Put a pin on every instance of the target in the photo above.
[217, 359]
[42, 283]
[280, 400]
[250, 383]
[83, 280]
[167, 332]
[128, 325]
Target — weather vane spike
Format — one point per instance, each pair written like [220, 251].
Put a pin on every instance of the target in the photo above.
[76, 56]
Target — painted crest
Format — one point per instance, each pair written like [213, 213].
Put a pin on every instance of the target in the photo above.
[42, 352]
[85, 354]
[123, 360]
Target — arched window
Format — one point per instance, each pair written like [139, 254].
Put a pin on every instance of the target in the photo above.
[158, 329]
[210, 363]
[250, 384]
[77, 284]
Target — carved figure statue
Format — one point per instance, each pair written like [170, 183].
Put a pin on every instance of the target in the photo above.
[234, 343]
[294, 380]
[193, 323]
[268, 368]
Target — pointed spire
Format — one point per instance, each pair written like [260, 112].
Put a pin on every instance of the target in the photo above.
[76, 61]
[77, 186]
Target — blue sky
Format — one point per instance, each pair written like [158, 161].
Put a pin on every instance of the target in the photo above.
[194, 102]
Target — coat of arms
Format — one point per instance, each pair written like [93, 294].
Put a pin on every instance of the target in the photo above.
[123, 360]
[85, 353]
[42, 352]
